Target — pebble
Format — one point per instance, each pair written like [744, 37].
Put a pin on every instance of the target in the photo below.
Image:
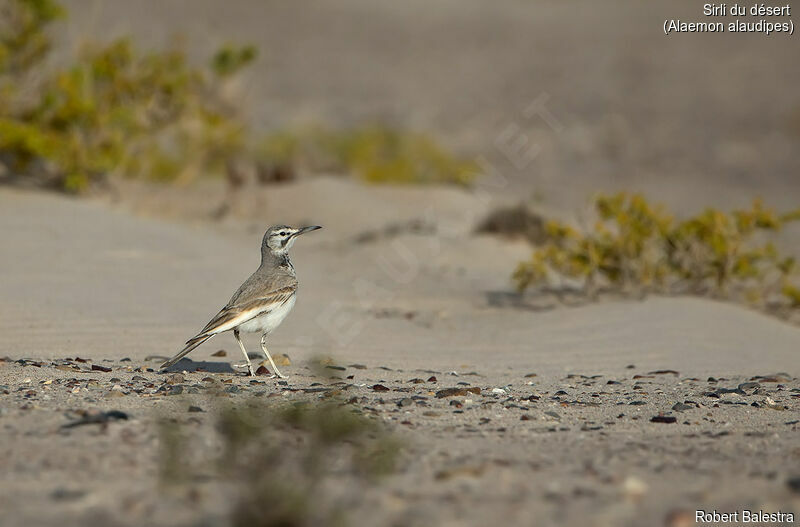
[457, 392]
[553, 414]
[195, 409]
[634, 488]
[666, 419]
[749, 387]
[499, 391]
[794, 484]
[175, 378]
[682, 407]
[379, 388]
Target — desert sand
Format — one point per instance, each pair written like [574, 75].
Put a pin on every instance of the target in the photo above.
[90, 280]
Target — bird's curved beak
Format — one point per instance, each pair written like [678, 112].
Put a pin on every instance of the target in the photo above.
[307, 229]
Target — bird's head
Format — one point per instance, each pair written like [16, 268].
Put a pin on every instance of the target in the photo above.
[280, 238]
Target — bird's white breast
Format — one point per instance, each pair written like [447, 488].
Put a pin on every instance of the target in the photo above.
[267, 322]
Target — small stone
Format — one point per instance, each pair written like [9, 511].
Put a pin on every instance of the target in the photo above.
[283, 360]
[337, 368]
[772, 404]
[530, 375]
[498, 391]
[262, 370]
[457, 392]
[682, 407]
[560, 392]
[634, 488]
[357, 366]
[680, 518]
[553, 415]
[379, 388]
[749, 388]
[114, 393]
[195, 409]
[175, 378]
[666, 419]
[220, 353]
[175, 390]
[663, 372]
[794, 484]
[232, 389]
[775, 377]
[524, 417]
[432, 378]
[407, 401]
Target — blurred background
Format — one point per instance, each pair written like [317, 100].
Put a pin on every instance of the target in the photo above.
[696, 118]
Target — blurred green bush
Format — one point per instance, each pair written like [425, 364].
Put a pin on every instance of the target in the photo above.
[374, 153]
[120, 111]
[637, 247]
[115, 110]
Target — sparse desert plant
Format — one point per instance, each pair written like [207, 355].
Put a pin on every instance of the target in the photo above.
[635, 246]
[375, 154]
[284, 459]
[117, 110]
[114, 110]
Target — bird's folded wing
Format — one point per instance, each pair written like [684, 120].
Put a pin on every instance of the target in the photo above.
[232, 316]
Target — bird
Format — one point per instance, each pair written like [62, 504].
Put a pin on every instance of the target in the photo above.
[261, 302]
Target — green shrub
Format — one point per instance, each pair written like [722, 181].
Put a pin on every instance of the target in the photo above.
[115, 110]
[635, 246]
[376, 154]
[120, 111]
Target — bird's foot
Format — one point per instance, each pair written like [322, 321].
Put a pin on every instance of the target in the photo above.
[247, 365]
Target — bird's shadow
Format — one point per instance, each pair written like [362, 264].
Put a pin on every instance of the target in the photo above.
[201, 366]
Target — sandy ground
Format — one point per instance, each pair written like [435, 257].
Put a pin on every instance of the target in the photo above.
[565, 447]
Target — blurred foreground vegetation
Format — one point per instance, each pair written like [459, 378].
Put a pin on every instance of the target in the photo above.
[636, 247]
[286, 463]
[119, 111]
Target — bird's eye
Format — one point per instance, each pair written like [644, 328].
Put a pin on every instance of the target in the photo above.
[283, 233]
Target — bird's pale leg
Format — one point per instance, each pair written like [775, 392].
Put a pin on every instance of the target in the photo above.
[266, 352]
[244, 351]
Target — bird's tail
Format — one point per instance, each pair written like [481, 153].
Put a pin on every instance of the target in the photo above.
[190, 345]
